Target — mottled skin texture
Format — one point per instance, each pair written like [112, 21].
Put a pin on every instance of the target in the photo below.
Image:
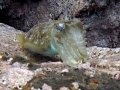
[65, 38]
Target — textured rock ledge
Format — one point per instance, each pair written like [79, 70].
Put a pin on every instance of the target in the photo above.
[21, 69]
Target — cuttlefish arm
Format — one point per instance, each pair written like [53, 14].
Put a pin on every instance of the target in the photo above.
[69, 39]
[65, 38]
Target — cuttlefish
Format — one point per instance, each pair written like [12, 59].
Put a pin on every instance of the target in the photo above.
[63, 37]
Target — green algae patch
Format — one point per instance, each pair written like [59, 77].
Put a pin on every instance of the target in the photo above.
[60, 80]
[85, 82]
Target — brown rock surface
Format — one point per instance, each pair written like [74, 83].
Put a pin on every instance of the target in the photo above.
[101, 18]
[19, 66]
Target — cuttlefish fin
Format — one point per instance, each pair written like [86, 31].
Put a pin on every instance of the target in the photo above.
[20, 38]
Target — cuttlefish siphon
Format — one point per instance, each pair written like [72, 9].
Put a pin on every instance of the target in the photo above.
[63, 37]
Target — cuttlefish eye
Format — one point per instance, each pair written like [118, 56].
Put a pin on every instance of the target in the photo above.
[59, 27]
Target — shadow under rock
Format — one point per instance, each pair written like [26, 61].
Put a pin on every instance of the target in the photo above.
[35, 60]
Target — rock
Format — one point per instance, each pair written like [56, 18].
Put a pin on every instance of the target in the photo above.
[46, 87]
[101, 18]
[19, 67]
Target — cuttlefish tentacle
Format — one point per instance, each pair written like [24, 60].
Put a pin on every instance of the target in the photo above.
[65, 37]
